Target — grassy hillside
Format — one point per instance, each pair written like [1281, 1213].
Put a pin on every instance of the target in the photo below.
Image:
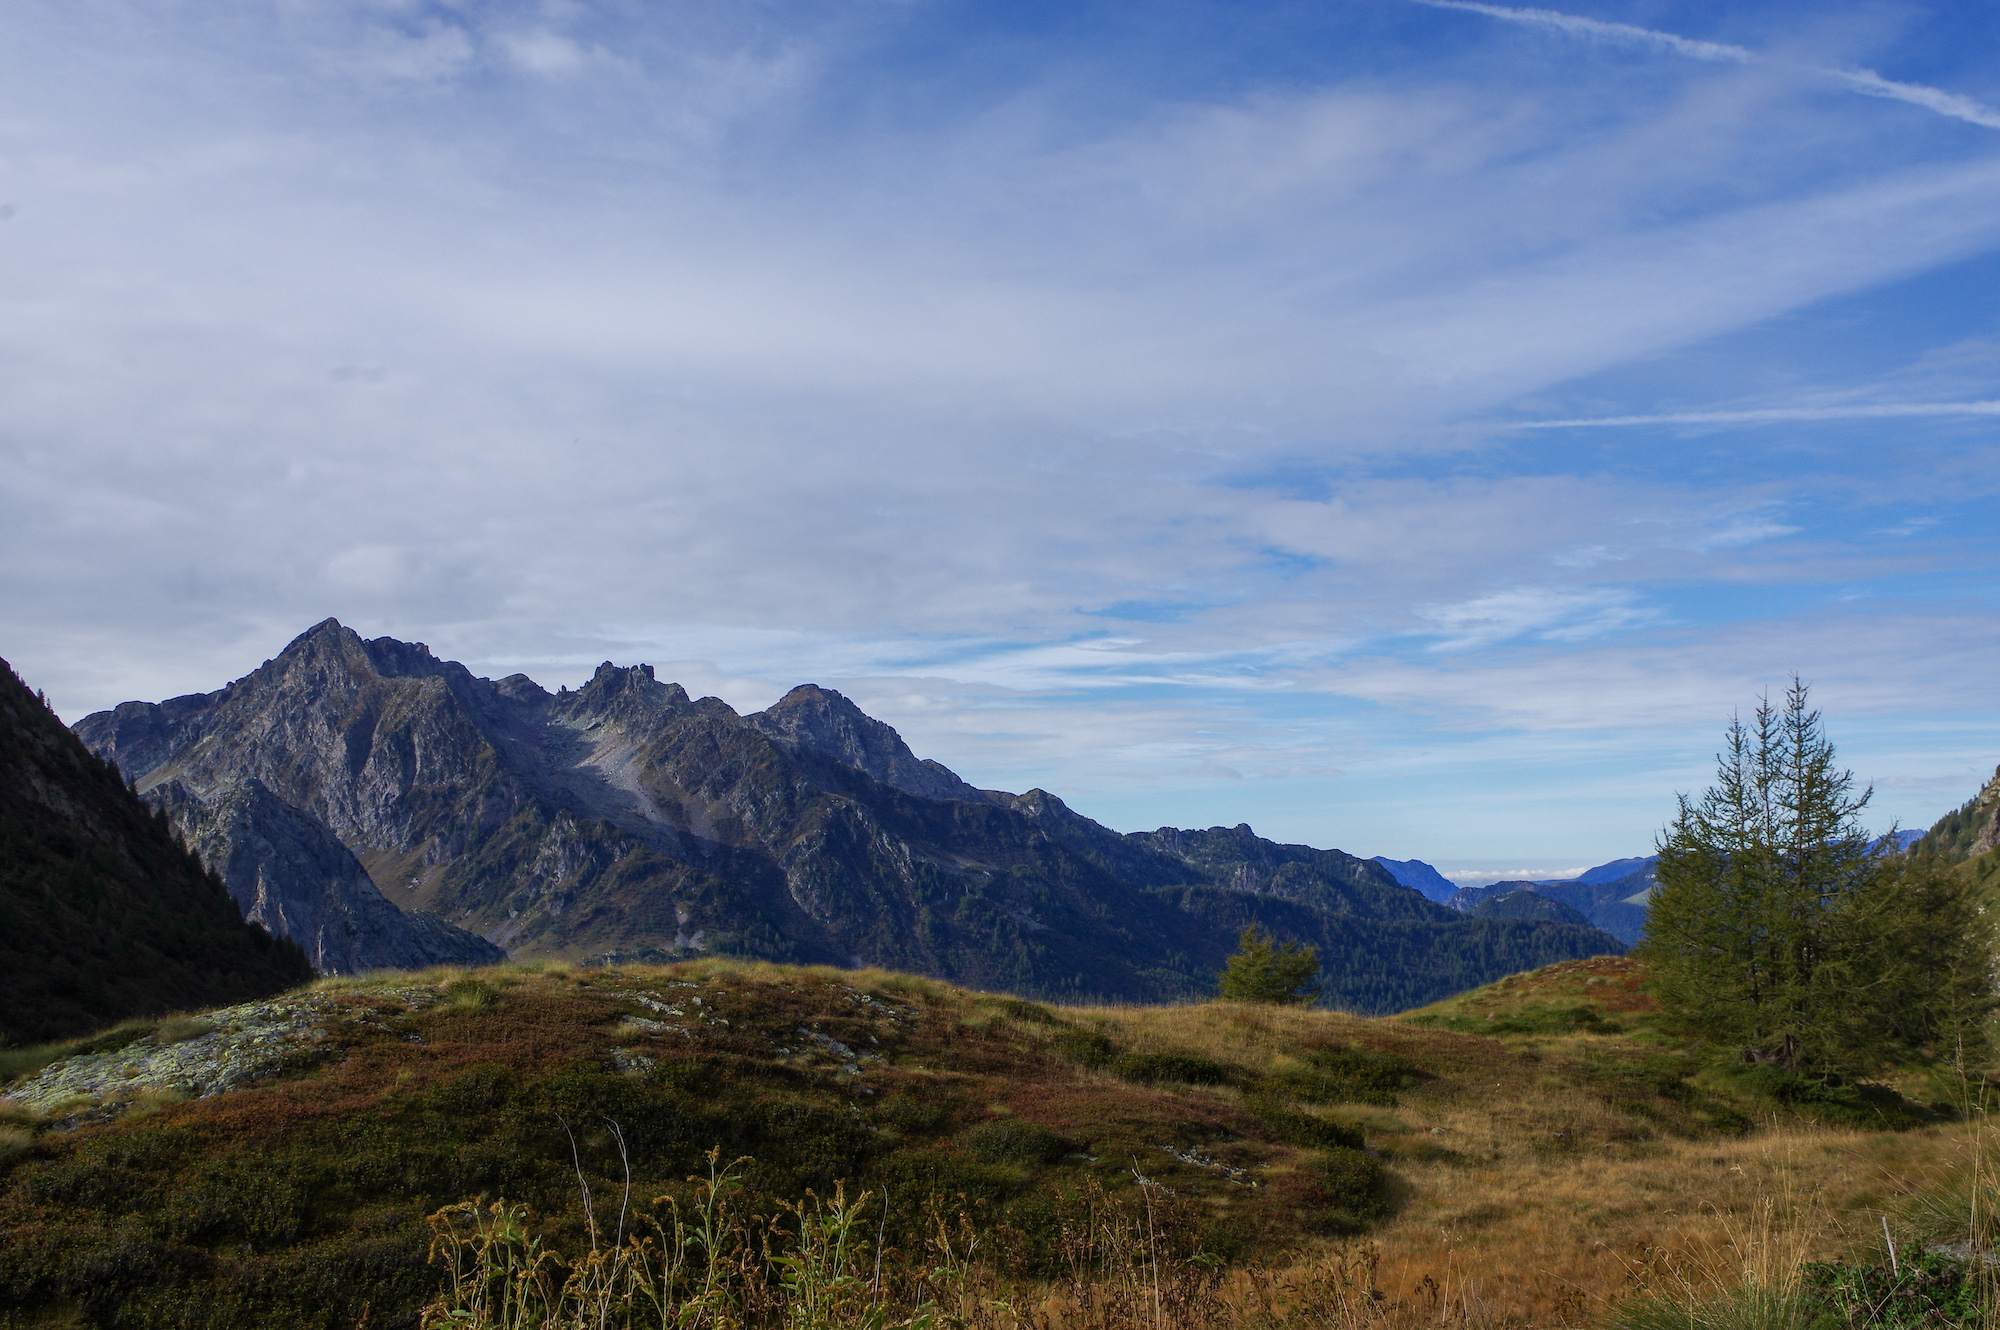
[1529, 1167]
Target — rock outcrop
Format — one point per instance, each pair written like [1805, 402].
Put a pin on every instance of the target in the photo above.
[1970, 830]
[627, 820]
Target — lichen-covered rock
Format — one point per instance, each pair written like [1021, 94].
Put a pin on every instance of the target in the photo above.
[225, 1050]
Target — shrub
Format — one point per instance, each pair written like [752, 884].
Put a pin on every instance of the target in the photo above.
[1296, 1128]
[1339, 1076]
[1350, 1183]
[1009, 1141]
[1086, 1048]
[1830, 1099]
[1029, 1013]
[1154, 1068]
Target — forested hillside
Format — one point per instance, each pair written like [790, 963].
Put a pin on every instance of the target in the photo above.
[103, 914]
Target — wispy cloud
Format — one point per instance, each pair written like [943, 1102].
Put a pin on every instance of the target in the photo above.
[1864, 81]
[778, 342]
[1552, 614]
[1775, 415]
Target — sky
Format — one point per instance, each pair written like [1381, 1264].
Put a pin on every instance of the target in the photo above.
[1408, 427]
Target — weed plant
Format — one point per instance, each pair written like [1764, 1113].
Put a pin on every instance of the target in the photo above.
[1124, 1262]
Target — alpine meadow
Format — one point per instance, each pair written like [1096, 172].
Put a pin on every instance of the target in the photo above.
[834, 665]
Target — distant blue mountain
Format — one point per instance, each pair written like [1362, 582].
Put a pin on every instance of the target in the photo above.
[1611, 896]
[1420, 876]
[1903, 840]
[1612, 871]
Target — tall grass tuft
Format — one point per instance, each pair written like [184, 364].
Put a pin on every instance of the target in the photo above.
[1125, 1262]
[1755, 1279]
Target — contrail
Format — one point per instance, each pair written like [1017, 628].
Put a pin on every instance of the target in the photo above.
[1864, 81]
[1884, 411]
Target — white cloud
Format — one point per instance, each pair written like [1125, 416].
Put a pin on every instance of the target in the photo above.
[1109, 435]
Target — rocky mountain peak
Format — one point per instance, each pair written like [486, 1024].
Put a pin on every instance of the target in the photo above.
[820, 720]
[519, 688]
[625, 692]
[330, 653]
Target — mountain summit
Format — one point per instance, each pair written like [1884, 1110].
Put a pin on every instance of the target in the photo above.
[626, 820]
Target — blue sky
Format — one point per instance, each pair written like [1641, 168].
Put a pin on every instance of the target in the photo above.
[1406, 427]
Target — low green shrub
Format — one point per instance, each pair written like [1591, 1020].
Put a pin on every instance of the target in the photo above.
[1345, 1076]
[1923, 1289]
[1552, 1018]
[1086, 1048]
[1292, 1127]
[1011, 1141]
[914, 1117]
[1350, 1184]
[1830, 1099]
[1156, 1068]
[1029, 1013]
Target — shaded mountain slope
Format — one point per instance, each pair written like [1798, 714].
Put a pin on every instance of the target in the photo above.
[1526, 905]
[1617, 906]
[287, 872]
[1420, 877]
[628, 820]
[103, 914]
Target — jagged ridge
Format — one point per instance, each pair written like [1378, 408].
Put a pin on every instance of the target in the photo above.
[626, 819]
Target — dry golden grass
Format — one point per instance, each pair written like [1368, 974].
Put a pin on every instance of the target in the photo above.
[1534, 1187]
[1538, 1175]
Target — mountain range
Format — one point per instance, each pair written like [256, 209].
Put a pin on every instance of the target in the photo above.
[1610, 897]
[626, 820]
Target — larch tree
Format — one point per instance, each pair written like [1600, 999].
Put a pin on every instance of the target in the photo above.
[1781, 930]
[1265, 970]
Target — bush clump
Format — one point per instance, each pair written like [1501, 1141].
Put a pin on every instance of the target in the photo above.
[1155, 1068]
[1831, 1099]
[1009, 1141]
[1346, 1076]
[1086, 1048]
[1350, 1184]
[1295, 1128]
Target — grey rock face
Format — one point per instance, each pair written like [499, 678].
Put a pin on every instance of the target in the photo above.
[288, 872]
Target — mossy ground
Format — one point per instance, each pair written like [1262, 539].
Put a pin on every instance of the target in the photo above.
[1551, 1161]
